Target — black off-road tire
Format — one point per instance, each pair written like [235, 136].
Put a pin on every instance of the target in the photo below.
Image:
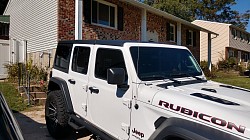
[56, 115]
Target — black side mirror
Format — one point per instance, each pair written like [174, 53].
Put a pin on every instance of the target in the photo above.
[116, 76]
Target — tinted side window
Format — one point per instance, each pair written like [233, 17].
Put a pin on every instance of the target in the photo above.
[62, 57]
[81, 60]
[108, 58]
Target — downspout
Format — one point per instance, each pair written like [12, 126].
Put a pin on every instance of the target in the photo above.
[78, 19]
[144, 25]
[209, 51]
[179, 33]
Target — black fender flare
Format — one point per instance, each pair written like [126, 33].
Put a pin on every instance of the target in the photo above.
[56, 83]
[188, 130]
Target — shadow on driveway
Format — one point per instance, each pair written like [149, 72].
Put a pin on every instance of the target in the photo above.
[33, 127]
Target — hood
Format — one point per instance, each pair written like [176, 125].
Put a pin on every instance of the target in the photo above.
[214, 104]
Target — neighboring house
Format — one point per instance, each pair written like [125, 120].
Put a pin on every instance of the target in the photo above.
[43, 23]
[4, 45]
[231, 42]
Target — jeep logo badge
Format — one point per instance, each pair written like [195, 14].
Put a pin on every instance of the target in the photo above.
[138, 133]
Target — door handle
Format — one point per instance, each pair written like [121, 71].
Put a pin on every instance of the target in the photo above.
[72, 81]
[93, 90]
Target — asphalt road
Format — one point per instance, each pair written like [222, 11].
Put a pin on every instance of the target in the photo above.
[33, 126]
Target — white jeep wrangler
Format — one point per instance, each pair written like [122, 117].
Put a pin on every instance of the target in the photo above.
[132, 90]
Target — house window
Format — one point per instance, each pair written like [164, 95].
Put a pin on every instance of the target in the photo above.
[246, 57]
[172, 33]
[104, 13]
[234, 32]
[241, 36]
[190, 38]
[4, 29]
[231, 53]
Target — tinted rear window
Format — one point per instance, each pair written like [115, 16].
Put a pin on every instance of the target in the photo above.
[62, 57]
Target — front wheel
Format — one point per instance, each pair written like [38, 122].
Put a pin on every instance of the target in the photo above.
[56, 115]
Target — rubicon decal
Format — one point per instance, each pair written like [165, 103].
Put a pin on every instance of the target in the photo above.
[202, 116]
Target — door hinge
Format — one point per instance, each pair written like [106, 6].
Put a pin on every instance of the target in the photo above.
[84, 106]
[125, 127]
[127, 102]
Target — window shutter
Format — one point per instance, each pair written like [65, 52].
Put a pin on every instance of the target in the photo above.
[168, 31]
[87, 11]
[194, 38]
[187, 40]
[120, 18]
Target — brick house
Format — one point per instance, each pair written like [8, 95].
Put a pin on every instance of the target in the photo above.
[41, 24]
[232, 42]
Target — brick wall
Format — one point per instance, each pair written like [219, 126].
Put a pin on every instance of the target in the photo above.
[132, 26]
[194, 49]
[131, 31]
[159, 24]
[66, 20]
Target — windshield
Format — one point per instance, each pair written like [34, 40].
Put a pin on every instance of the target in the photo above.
[156, 63]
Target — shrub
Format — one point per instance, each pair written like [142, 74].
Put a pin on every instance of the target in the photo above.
[227, 64]
[207, 72]
[12, 71]
[248, 65]
[36, 74]
[241, 69]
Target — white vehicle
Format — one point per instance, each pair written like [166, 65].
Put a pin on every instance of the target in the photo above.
[131, 90]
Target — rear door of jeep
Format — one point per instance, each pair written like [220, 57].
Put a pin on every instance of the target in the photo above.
[109, 105]
[78, 77]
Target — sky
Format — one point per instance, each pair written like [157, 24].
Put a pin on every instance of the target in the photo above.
[242, 6]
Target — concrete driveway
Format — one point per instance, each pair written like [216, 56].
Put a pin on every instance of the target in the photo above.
[33, 126]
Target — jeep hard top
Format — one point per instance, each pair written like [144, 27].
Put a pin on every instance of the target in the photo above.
[135, 90]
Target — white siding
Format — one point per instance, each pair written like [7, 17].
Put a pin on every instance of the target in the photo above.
[219, 43]
[4, 57]
[34, 21]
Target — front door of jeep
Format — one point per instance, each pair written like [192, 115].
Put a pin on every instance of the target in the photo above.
[78, 79]
[109, 105]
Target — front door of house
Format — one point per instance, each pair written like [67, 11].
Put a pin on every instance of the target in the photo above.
[152, 36]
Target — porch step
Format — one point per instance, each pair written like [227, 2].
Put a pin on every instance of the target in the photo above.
[37, 96]
[34, 95]
[37, 101]
[33, 88]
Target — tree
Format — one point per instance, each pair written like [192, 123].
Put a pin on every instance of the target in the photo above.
[3, 4]
[175, 7]
[210, 10]
[220, 11]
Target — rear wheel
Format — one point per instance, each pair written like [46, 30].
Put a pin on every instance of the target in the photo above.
[56, 115]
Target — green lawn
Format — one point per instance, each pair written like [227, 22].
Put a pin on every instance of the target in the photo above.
[232, 78]
[14, 100]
